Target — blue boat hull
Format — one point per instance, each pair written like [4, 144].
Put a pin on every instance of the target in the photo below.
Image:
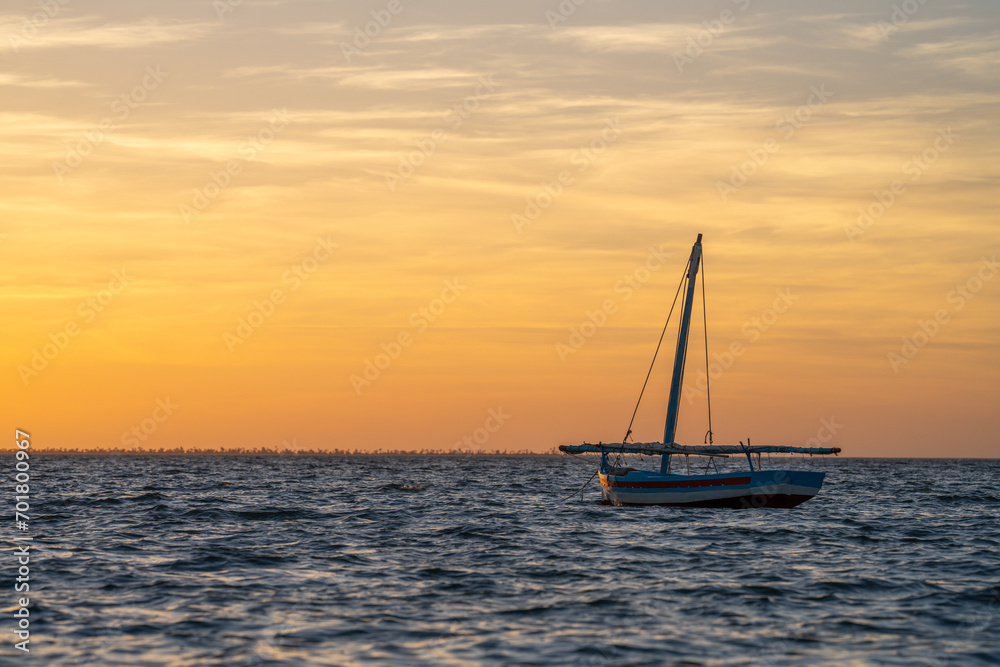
[738, 490]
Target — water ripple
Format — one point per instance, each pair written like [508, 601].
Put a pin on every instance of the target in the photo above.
[454, 560]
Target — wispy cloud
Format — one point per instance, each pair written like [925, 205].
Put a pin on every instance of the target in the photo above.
[316, 28]
[462, 33]
[92, 32]
[657, 37]
[24, 81]
[413, 79]
[976, 56]
[385, 78]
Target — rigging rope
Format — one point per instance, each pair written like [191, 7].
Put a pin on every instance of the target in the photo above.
[708, 382]
[660, 342]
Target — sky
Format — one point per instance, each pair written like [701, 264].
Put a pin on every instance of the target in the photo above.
[430, 224]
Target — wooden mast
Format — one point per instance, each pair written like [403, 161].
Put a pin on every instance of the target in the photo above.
[677, 380]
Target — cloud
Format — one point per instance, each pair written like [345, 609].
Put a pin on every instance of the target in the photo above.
[439, 33]
[19, 80]
[411, 79]
[657, 37]
[324, 29]
[89, 31]
[385, 78]
[974, 56]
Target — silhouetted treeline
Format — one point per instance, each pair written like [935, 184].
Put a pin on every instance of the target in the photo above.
[265, 451]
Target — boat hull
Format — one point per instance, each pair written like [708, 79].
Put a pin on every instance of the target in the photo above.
[741, 490]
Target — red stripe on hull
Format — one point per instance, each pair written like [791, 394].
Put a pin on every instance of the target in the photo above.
[696, 484]
[782, 500]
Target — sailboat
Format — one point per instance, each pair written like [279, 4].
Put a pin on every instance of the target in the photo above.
[622, 485]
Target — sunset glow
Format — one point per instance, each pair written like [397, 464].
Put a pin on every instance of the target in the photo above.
[302, 235]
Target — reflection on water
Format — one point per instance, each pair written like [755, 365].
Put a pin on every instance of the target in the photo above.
[251, 560]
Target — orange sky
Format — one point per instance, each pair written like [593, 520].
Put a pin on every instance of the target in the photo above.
[508, 171]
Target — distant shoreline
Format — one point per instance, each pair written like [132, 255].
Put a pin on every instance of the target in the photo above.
[264, 452]
[239, 451]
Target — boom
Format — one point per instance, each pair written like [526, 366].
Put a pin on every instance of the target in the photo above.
[655, 448]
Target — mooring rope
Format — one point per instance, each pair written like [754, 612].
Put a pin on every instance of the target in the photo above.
[580, 491]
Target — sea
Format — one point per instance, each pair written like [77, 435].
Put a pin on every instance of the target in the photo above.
[498, 560]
